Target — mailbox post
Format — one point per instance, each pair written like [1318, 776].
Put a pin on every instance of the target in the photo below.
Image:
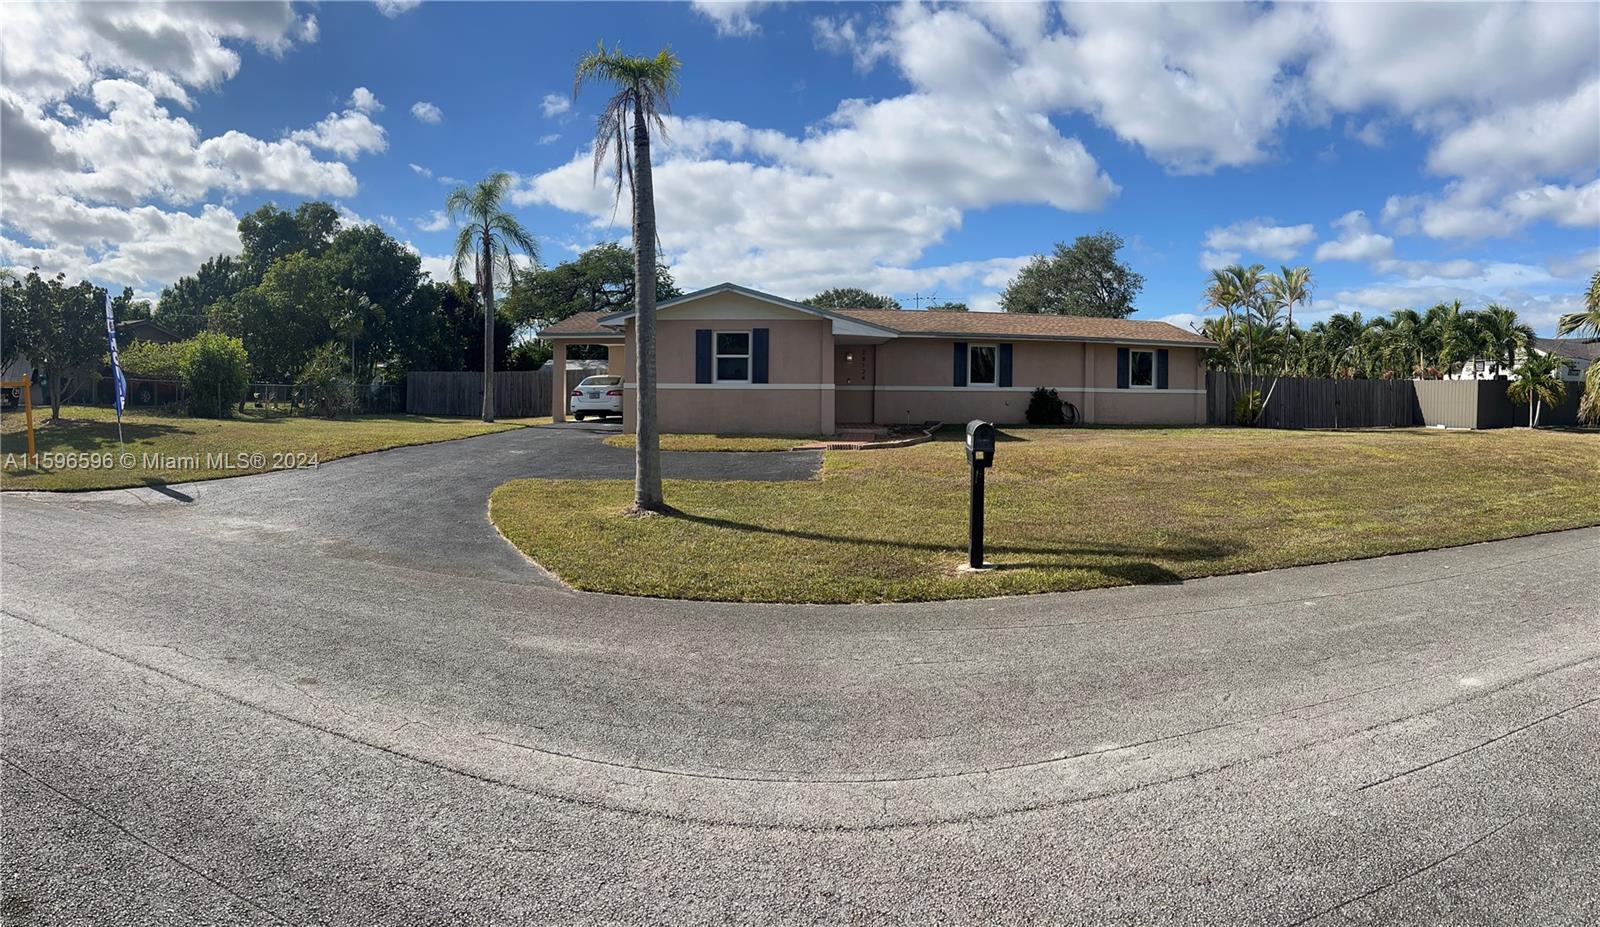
[980, 457]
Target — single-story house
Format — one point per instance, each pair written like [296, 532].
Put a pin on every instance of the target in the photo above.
[1576, 354]
[732, 360]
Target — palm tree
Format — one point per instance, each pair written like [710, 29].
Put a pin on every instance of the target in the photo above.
[487, 239]
[1290, 287]
[1502, 336]
[1405, 345]
[1538, 383]
[1586, 324]
[643, 90]
[1455, 333]
[350, 321]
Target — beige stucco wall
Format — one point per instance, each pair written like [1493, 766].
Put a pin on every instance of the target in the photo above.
[798, 398]
[812, 386]
[1084, 373]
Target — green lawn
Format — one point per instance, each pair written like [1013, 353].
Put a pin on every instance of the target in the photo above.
[718, 442]
[88, 435]
[1068, 509]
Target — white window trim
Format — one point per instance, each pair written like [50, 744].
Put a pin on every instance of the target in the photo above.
[987, 383]
[1154, 375]
[748, 355]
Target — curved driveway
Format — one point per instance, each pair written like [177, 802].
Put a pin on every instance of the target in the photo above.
[337, 696]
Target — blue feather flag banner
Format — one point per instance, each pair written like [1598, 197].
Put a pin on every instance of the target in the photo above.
[116, 365]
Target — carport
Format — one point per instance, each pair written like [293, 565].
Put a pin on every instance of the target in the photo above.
[580, 329]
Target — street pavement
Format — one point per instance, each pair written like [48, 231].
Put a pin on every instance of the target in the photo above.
[339, 697]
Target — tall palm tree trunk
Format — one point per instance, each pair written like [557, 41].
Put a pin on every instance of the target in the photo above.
[647, 495]
[486, 281]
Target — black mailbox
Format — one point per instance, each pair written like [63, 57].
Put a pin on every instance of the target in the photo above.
[980, 443]
[980, 455]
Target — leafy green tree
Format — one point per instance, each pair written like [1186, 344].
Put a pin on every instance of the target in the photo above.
[323, 385]
[642, 89]
[216, 371]
[184, 306]
[127, 309]
[849, 297]
[947, 307]
[152, 359]
[528, 355]
[598, 280]
[270, 233]
[1084, 278]
[60, 329]
[487, 236]
[369, 262]
[285, 318]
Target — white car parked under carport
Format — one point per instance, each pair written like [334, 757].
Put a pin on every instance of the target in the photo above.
[598, 396]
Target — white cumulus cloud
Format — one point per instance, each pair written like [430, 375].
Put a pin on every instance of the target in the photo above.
[427, 112]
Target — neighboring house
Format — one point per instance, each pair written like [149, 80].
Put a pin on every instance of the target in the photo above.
[1578, 354]
[144, 330]
[732, 360]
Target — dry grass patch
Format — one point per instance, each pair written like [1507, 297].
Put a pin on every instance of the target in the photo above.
[89, 433]
[1068, 509]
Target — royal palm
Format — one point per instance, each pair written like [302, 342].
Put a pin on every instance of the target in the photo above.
[641, 92]
[487, 239]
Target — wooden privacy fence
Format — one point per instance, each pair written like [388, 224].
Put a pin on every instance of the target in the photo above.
[1316, 403]
[517, 393]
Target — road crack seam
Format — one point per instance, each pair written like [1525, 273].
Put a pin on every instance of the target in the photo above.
[1478, 746]
[1410, 875]
[144, 841]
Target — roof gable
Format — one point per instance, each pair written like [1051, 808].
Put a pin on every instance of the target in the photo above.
[843, 323]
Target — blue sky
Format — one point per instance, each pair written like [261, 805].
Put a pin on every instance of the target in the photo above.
[904, 148]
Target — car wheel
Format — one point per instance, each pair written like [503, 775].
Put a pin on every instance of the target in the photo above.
[577, 416]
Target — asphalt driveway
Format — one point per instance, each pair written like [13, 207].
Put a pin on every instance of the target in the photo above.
[338, 697]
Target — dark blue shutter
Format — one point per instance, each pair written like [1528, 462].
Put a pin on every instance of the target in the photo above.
[961, 363]
[1161, 368]
[702, 355]
[1005, 365]
[758, 355]
[1122, 368]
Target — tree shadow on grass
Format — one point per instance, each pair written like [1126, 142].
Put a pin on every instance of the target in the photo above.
[1201, 550]
[74, 435]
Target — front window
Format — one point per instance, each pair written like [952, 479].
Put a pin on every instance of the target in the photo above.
[601, 381]
[733, 357]
[981, 365]
[1142, 369]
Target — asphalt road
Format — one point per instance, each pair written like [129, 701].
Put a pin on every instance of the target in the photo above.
[337, 697]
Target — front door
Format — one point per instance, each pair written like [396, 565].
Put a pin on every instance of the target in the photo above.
[853, 379]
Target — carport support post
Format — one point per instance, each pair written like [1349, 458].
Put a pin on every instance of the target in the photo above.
[558, 381]
[975, 519]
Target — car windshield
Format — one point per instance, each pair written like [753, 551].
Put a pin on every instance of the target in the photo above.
[602, 381]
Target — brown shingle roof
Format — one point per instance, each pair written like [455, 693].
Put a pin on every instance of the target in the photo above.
[1023, 325]
[958, 325]
[584, 323]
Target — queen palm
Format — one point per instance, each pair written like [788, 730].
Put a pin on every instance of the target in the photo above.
[1288, 288]
[486, 239]
[643, 88]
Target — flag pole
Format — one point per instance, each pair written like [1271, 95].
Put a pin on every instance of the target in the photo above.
[120, 384]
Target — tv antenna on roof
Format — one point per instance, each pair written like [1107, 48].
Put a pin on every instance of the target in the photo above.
[917, 299]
